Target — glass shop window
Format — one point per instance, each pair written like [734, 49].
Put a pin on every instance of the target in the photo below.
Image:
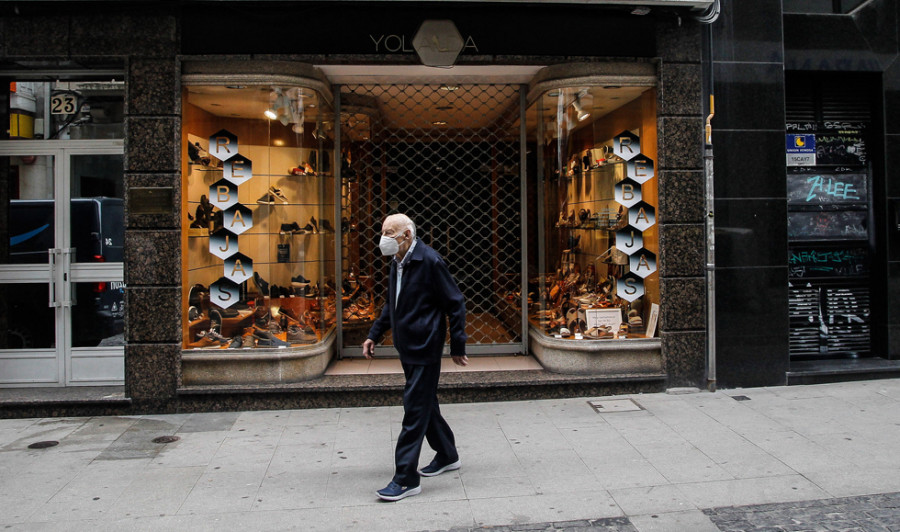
[258, 197]
[596, 275]
[63, 110]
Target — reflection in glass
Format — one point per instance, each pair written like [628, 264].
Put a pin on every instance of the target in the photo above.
[97, 215]
[98, 314]
[77, 110]
[28, 231]
[26, 321]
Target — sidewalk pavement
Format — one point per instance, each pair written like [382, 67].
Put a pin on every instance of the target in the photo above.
[811, 456]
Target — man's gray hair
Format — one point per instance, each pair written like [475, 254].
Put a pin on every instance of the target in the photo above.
[404, 222]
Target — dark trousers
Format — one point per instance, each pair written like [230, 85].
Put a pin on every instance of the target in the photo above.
[422, 419]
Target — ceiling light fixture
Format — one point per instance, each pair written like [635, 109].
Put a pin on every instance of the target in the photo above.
[449, 88]
[581, 113]
[439, 123]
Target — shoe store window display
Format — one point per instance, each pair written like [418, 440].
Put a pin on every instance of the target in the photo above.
[258, 241]
[598, 275]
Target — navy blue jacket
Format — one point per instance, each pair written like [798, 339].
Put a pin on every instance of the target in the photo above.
[428, 295]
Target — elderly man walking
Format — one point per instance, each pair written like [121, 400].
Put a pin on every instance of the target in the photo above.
[421, 296]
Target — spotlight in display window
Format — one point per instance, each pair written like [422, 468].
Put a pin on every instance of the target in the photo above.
[223, 145]
[629, 240]
[239, 268]
[627, 145]
[630, 287]
[223, 244]
[224, 292]
[642, 216]
[223, 194]
[238, 170]
[642, 263]
[640, 168]
[238, 219]
[628, 192]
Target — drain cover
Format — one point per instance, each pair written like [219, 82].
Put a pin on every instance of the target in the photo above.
[740, 397]
[43, 444]
[614, 405]
[166, 439]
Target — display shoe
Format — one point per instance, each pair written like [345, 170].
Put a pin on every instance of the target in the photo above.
[261, 284]
[267, 199]
[315, 224]
[275, 291]
[300, 335]
[582, 320]
[267, 339]
[299, 281]
[214, 335]
[297, 171]
[277, 193]
[565, 332]
[599, 332]
[307, 229]
[290, 228]
[572, 319]
[193, 313]
[326, 226]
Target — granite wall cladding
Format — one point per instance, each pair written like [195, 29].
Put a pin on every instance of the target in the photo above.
[144, 35]
[154, 87]
[681, 196]
[683, 304]
[151, 371]
[682, 138]
[681, 87]
[36, 37]
[684, 250]
[684, 367]
[151, 144]
[149, 255]
[154, 314]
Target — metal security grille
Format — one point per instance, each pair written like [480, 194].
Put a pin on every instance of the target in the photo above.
[448, 157]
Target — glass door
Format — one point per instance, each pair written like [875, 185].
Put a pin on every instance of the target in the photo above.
[61, 275]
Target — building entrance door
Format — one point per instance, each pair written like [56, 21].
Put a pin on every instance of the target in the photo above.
[61, 277]
[450, 157]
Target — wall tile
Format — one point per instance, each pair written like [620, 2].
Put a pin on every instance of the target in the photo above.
[36, 37]
[681, 89]
[681, 143]
[685, 358]
[144, 35]
[153, 87]
[749, 164]
[682, 250]
[892, 162]
[751, 326]
[153, 314]
[748, 31]
[682, 43]
[683, 304]
[169, 220]
[151, 144]
[151, 371]
[749, 96]
[152, 258]
[751, 233]
[682, 196]
[893, 294]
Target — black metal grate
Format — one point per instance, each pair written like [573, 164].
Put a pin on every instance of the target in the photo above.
[448, 157]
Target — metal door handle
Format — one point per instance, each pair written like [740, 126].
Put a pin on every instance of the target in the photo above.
[67, 277]
[52, 254]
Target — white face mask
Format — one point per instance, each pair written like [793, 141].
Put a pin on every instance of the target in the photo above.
[388, 245]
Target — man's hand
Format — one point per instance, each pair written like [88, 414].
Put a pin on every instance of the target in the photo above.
[368, 348]
[459, 361]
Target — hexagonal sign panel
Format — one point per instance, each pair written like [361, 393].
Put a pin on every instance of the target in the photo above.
[640, 168]
[630, 287]
[642, 216]
[626, 145]
[642, 263]
[223, 194]
[223, 145]
[629, 240]
[438, 43]
[238, 219]
[224, 292]
[223, 244]
[628, 192]
[238, 169]
[239, 268]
